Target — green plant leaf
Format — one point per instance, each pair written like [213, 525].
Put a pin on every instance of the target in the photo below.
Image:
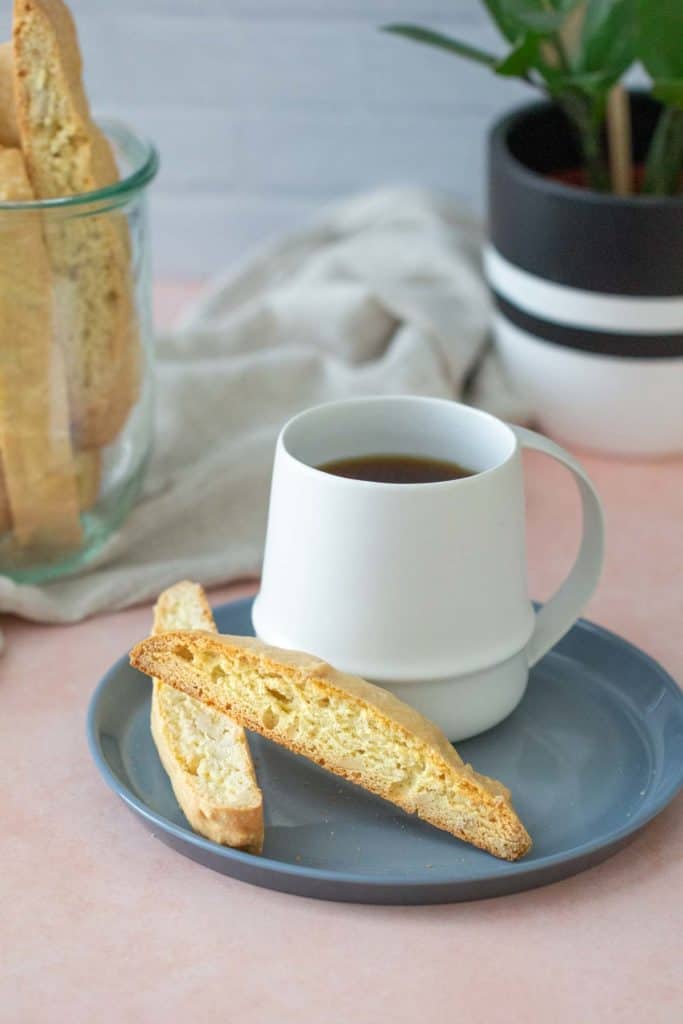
[592, 85]
[521, 59]
[506, 23]
[543, 16]
[664, 163]
[660, 48]
[443, 42]
[585, 114]
[660, 37]
[669, 91]
[590, 82]
[607, 44]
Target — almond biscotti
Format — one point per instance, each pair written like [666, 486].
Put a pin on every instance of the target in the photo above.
[38, 467]
[355, 729]
[66, 154]
[205, 754]
[88, 467]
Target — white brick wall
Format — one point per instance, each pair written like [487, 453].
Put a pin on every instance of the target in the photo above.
[263, 109]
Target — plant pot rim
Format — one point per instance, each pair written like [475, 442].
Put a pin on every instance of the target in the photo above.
[500, 150]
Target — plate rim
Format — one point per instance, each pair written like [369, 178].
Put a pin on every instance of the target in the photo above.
[517, 870]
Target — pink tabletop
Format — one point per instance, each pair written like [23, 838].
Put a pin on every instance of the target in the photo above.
[102, 923]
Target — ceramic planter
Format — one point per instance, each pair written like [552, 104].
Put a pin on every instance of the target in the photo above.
[588, 289]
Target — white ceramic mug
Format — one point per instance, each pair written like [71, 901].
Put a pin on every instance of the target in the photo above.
[419, 587]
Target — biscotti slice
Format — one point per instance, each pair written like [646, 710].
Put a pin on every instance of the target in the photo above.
[205, 754]
[88, 466]
[88, 469]
[37, 458]
[67, 154]
[355, 729]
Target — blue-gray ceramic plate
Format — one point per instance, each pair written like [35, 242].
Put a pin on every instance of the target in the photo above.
[592, 753]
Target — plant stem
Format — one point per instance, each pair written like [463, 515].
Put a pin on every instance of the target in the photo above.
[619, 140]
[587, 126]
[562, 56]
[581, 114]
[665, 155]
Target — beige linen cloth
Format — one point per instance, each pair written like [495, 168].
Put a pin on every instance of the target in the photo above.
[381, 294]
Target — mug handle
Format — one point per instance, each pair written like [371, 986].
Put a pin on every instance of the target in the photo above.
[562, 610]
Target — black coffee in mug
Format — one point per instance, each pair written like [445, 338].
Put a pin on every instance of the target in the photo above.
[396, 469]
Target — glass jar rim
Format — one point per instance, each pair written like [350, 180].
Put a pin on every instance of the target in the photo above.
[119, 191]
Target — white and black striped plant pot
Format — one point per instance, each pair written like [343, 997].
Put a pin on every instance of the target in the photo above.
[588, 289]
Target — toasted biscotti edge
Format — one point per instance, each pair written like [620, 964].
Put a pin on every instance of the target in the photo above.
[9, 131]
[498, 829]
[237, 827]
[5, 512]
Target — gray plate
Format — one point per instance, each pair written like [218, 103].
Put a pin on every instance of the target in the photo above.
[592, 753]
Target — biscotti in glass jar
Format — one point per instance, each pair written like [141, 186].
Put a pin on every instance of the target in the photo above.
[75, 356]
[75, 317]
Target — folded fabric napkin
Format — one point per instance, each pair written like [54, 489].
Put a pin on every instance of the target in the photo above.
[382, 294]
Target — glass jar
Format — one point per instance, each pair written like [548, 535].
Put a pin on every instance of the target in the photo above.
[75, 366]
